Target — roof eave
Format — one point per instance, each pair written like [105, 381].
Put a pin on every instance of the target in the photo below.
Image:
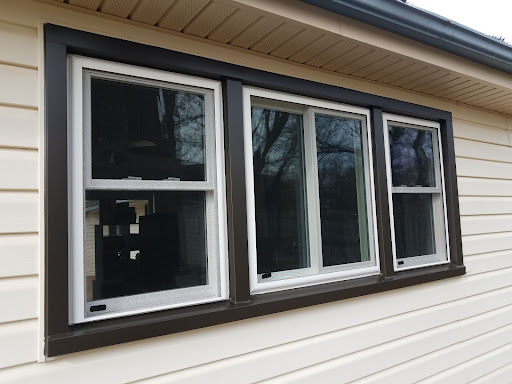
[425, 27]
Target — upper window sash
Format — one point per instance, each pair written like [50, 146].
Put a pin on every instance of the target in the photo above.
[440, 222]
[99, 69]
[316, 273]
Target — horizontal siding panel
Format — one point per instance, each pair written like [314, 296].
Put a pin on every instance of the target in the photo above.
[474, 225]
[500, 376]
[475, 368]
[19, 255]
[480, 132]
[18, 344]
[18, 127]
[18, 169]
[479, 335]
[484, 187]
[484, 151]
[485, 169]
[492, 242]
[18, 45]
[19, 298]
[397, 353]
[198, 347]
[19, 86]
[20, 212]
[261, 365]
[481, 263]
[485, 205]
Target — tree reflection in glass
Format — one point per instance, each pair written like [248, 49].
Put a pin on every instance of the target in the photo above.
[279, 190]
[343, 212]
[412, 159]
[145, 132]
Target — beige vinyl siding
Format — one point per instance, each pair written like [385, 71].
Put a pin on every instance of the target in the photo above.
[455, 331]
[19, 199]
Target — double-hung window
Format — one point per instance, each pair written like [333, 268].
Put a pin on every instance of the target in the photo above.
[310, 200]
[416, 192]
[146, 192]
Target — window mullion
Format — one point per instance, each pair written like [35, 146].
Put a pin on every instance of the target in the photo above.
[236, 191]
[312, 191]
[382, 193]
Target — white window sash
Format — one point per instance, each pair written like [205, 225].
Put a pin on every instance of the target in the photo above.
[316, 273]
[442, 255]
[80, 69]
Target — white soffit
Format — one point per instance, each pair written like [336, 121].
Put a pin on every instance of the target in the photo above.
[240, 25]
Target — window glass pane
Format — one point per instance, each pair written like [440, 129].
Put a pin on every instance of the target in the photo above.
[140, 242]
[414, 224]
[412, 157]
[144, 132]
[343, 212]
[279, 190]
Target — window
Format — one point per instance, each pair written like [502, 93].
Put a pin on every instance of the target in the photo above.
[147, 207]
[270, 192]
[310, 194]
[416, 186]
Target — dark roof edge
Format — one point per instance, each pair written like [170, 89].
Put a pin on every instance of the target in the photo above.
[425, 27]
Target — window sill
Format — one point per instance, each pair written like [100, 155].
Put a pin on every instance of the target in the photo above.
[110, 332]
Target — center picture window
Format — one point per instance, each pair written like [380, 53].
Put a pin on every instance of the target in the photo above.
[310, 212]
[146, 204]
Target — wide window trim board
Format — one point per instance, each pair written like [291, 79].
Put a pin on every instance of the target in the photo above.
[62, 338]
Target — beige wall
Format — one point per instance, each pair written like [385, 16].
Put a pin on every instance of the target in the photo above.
[452, 331]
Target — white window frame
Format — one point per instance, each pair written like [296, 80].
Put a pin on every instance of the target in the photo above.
[316, 273]
[79, 175]
[442, 255]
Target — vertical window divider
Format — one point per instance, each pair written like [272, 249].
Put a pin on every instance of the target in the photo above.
[313, 191]
[381, 194]
[236, 191]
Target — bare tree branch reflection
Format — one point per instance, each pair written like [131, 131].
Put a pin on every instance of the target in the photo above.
[146, 132]
[412, 159]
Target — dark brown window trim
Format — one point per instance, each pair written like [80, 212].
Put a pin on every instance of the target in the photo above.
[61, 338]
